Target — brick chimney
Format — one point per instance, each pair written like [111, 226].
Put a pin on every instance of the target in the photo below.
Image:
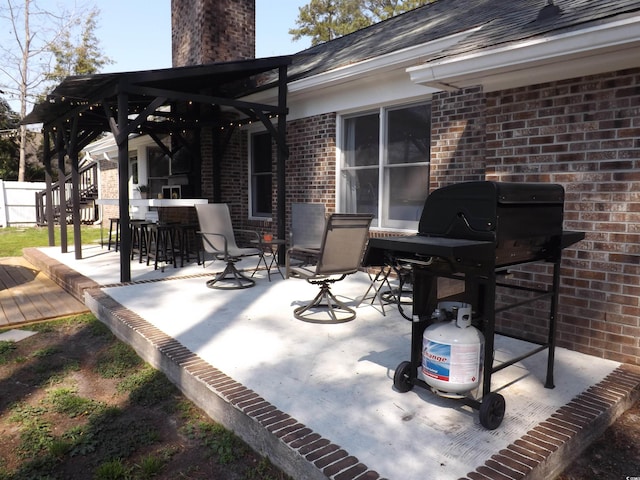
[207, 31]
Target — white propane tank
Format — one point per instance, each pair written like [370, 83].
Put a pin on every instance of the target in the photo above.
[452, 352]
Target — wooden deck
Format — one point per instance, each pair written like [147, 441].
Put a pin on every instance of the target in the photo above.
[28, 295]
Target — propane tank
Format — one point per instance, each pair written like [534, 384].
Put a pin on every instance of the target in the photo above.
[452, 351]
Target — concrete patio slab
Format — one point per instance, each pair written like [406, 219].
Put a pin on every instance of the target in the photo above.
[319, 399]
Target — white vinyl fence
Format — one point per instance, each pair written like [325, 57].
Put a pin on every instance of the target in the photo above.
[18, 203]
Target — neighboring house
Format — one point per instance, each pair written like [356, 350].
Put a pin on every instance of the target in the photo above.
[148, 166]
[523, 91]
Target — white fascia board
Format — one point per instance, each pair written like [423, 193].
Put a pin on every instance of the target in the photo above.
[588, 51]
[101, 146]
[382, 63]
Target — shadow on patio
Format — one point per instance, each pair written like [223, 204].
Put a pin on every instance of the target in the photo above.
[319, 399]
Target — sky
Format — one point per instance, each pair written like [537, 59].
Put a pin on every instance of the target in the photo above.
[136, 34]
[134, 48]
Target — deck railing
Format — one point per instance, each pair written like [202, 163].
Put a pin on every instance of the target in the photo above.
[88, 189]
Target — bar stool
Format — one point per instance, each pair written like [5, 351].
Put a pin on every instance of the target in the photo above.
[160, 244]
[138, 238]
[187, 240]
[116, 241]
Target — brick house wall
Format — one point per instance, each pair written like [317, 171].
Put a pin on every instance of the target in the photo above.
[311, 165]
[584, 134]
[206, 31]
[310, 170]
[108, 189]
[457, 137]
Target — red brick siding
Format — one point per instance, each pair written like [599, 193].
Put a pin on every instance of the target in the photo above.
[206, 31]
[584, 134]
[457, 137]
[109, 189]
[234, 178]
[311, 167]
[206, 168]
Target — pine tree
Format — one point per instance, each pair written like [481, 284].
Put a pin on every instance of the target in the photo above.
[325, 20]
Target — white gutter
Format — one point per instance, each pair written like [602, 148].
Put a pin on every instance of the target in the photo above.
[477, 67]
[382, 63]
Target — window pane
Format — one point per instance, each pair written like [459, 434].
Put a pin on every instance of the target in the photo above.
[261, 153]
[261, 178]
[409, 135]
[362, 144]
[399, 159]
[261, 195]
[361, 191]
[408, 188]
[158, 162]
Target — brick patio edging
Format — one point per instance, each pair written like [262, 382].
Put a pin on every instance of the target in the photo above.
[546, 450]
[289, 444]
[540, 454]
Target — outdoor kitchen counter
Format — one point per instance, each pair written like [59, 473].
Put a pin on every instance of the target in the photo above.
[155, 202]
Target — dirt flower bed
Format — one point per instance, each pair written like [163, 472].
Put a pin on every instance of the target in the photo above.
[76, 403]
[613, 456]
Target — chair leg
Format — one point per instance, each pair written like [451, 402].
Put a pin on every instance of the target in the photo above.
[326, 302]
[116, 241]
[230, 279]
[382, 276]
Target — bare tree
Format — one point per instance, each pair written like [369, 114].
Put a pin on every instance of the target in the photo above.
[27, 54]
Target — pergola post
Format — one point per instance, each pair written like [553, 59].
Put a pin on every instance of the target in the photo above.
[122, 139]
[63, 191]
[145, 102]
[48, 195]
[283, 155]
[72, 151]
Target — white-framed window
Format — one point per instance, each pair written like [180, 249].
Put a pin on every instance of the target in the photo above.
[260, 175]
[385, 164]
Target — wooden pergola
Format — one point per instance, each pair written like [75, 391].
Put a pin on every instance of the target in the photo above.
[155, 103]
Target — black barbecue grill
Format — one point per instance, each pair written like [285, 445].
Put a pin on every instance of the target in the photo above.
[473, 232]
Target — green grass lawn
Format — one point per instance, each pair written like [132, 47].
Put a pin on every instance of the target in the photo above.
[14, 239]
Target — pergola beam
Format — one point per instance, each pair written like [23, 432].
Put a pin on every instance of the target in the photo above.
[83, 107]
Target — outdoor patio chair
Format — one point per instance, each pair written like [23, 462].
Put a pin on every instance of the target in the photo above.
[340, 254]
[307, 226]
[218, 239]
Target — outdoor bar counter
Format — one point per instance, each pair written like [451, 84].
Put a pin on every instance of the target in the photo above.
[155, 202]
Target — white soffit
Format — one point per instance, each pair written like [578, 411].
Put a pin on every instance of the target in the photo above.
[590, 51]
[373, 91]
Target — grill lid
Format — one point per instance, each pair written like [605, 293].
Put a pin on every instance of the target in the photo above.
[493, 211]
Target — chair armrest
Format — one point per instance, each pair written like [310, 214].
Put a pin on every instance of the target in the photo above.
[253, 232]
[308, 252]
[224, 238]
